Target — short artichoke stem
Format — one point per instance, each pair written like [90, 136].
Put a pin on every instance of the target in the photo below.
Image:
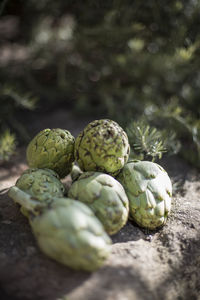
[24, 199]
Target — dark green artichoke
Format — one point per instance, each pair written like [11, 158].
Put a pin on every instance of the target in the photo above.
[105, 196]
[52, 149]
[42, 184]
[70, 233]
[102, 146]
[149, 191]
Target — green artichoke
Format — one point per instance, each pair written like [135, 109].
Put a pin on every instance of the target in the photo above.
[42, 184]
[29, 205]
[149, 191]
[102, 146]
[70, 233]
[105, 196]
[52, 149]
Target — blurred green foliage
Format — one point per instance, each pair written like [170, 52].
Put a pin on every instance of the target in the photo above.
[11, 101]
[125, 60]
[7, 145]
[149, 143]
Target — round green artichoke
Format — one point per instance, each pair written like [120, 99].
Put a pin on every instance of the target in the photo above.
[70, 233]
[42, 184]
[102, 146]
[52, 149]
[105, 196]
[149, 191]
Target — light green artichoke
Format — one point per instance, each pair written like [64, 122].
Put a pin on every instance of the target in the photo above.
[105, 196]
[42, 184]
[52, 149]
[149, 191]
[70, 233]
[102, 146]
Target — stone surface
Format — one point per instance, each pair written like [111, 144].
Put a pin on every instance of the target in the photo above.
[161, 264]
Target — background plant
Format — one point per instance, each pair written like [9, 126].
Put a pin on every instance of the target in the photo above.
[126, 60]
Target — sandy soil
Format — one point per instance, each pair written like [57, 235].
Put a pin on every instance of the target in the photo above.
[162, 264]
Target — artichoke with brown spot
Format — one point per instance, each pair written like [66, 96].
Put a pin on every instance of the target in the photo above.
[102, 146]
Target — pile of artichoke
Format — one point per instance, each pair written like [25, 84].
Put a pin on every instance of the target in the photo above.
[73, 226]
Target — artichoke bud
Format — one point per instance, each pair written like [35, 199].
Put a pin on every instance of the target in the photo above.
[69, 233]
[102, 146]
[105, 196]
[52, 149]
[149, 191]
[41, 184]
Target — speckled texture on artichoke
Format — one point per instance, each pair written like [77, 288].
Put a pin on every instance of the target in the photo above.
[42, 184]
[52, 149]
[149, 191]
[102, 146]
[69, 233]
[105, 196]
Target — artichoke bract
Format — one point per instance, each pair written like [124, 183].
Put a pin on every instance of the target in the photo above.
[69, 233]
[102, 146]
[149, 191]
[52, 149]
[105, 196]
[75, 173]
[42, 184]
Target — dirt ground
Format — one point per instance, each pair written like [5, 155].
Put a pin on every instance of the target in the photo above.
[163, 264]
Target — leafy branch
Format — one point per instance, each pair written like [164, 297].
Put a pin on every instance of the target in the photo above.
[25, 100]
[149, 143]
[7, 145]
[12, 99]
